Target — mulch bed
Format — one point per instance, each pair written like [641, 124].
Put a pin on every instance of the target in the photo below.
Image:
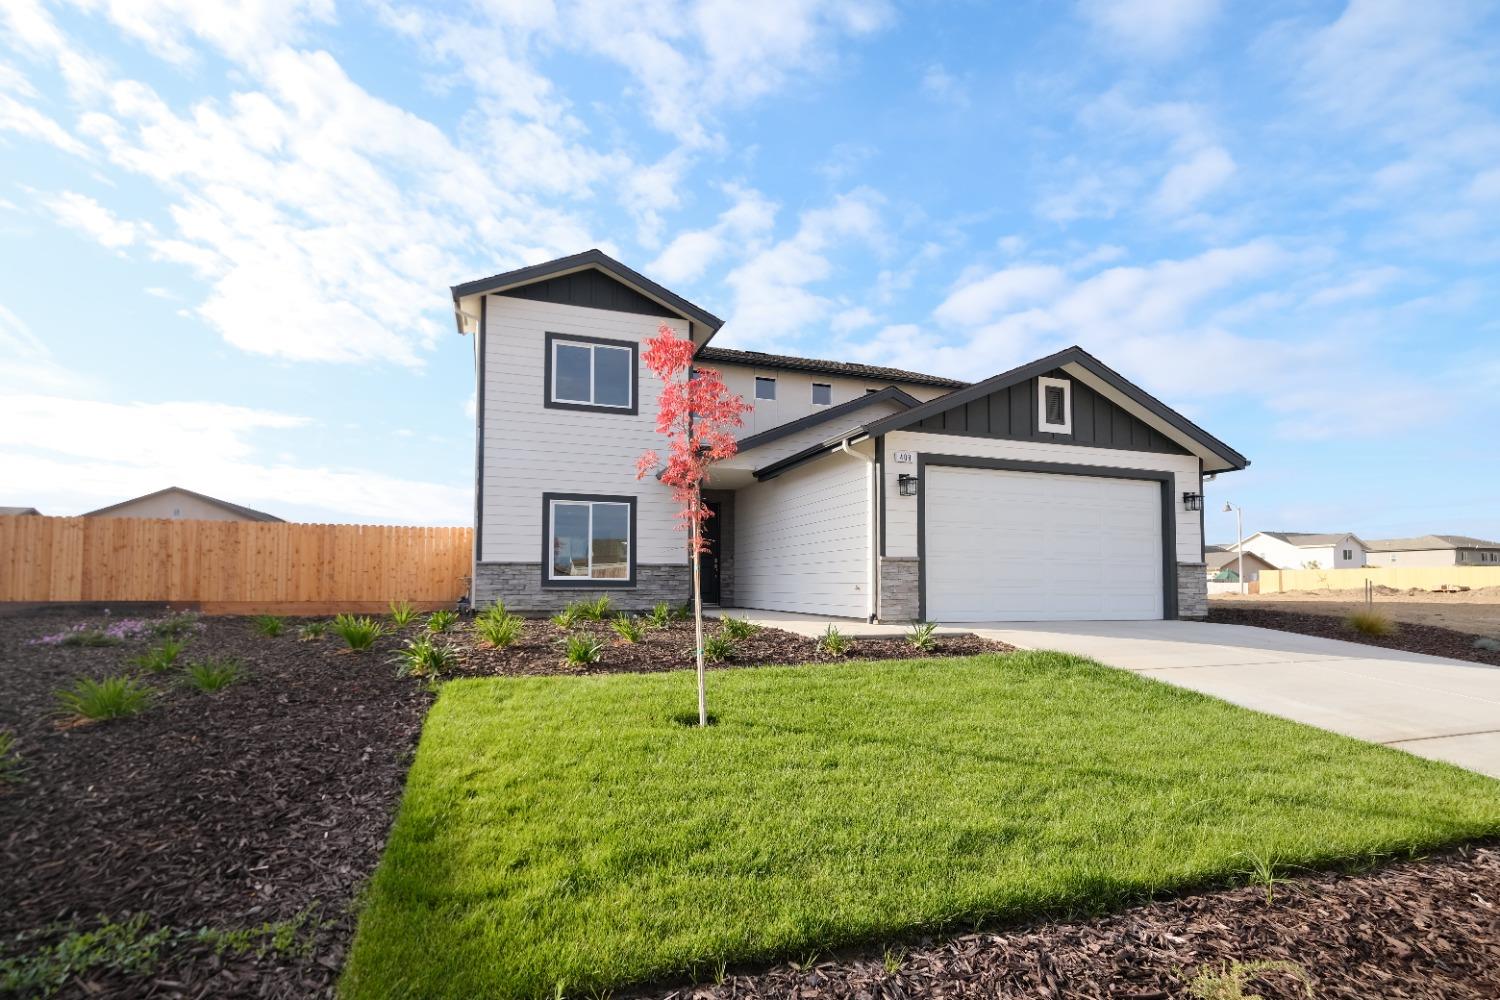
[539, 650]
[266, 800]
[1428, 929]
[1413, 638]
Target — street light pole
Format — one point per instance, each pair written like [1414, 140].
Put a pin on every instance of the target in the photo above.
[1239, 545]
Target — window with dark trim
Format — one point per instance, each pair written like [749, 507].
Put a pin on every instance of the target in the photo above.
[822, 394]
[1348, 554]
[589, 373]
[765, 388]
[588, 540]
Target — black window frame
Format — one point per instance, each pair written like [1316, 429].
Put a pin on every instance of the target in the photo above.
[553, 338]
[771, 380]
[825, 385]
[550, 582]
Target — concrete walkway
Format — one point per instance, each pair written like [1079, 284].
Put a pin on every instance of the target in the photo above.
[1429, 705]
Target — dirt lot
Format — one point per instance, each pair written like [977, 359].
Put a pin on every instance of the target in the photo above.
[1476, 612]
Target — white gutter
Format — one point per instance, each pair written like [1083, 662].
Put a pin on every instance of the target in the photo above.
[872, 572]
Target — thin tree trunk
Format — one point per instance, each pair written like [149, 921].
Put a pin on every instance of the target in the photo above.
[698, 620]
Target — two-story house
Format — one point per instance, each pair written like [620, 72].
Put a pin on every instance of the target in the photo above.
[1055, 490]
[1306, 550]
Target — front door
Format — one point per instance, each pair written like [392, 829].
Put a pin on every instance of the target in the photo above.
[708, 562]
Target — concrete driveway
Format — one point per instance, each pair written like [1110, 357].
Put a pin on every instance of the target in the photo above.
[1428, 705]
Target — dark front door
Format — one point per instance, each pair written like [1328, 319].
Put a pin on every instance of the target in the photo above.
[708, 562]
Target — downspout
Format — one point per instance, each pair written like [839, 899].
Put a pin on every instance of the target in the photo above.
[872, 575]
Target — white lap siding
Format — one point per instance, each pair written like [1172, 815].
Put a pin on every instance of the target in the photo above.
[901, 512]
[802, 540]
[530, 449]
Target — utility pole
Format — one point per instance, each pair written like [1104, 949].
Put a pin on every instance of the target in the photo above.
[1239, 545]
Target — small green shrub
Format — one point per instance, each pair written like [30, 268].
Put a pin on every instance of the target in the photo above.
[1228, 981]
[737, 628]
[566, 618]
[922, 636]
[1264, 871]
[833, 642]
[359, 632]
[683, 611]
[442, 621]
[628, 627]
[421, 657]
[178, 625]
[402, 613]
[499, 630]
[580, 650]
[10, 761]
[269, 626]
[590, 611]
[109, 698]
[1371, 622]
[160, 659]
[89, 637]
[312, 631]
[209, 676]
[660, 616]
[718, 648]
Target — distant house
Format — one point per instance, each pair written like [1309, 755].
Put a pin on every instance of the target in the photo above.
[18, 511]
[1433, 550]
[174, 502]
[1306, 550]
[1224, 564]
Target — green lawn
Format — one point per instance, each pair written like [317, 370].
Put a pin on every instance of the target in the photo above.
[569, 831]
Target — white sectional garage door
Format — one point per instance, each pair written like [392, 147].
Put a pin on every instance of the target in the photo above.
[1028, 546]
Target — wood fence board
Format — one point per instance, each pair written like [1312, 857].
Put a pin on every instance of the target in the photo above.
[230, 564]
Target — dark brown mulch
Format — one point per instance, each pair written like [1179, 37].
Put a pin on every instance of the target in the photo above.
[268, 799]
[1411, 637]
[1428, 929]
[539, 650]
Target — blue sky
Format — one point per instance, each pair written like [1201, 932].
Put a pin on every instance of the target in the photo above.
[227, 230]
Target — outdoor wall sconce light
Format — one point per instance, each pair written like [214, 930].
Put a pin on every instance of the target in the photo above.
[907, 484]
[1192, 501]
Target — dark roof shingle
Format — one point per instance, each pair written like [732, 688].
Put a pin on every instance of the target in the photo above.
[760, 359]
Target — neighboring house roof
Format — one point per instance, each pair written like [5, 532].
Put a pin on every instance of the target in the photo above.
[1429, 542]
[1310, 540]
[577, 262]
[1221, 559]
[18, 511]
[249, 513]
[760, 359]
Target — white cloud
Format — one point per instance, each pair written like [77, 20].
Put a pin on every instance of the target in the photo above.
[83, 213]
[1150, 28]
[1194, 179]
[981, 300]
[25, 363]
[945, 88]
[747, 220]
[76, 454]
[238, 28]
[772, 297]
[23, 119]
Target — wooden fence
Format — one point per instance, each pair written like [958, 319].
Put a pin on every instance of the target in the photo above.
[232, 566]
[1399, 577]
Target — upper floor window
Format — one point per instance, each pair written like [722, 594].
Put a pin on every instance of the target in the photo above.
[765, 388]
[822, 394]
[1055, 405]
[587, 373]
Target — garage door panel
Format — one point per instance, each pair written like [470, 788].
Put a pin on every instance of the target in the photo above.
[1026, 546]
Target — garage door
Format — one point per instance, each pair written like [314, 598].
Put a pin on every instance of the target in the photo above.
[1028, 546]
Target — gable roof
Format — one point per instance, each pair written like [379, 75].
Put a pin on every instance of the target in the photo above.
[249, 513]
[599, 260]
[760, 359]
[1427, 542]
[1216, 559]
[1217, 456]
[1310, 540]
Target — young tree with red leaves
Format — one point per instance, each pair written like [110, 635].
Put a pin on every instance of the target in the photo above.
[698, 416]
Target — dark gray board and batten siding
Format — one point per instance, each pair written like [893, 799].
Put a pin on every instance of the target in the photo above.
[591, 289]
[1011, 413]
